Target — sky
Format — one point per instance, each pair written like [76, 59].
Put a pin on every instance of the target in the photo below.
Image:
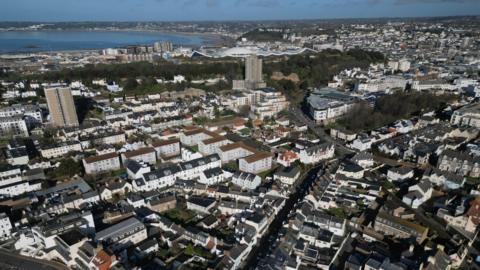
[214, 10]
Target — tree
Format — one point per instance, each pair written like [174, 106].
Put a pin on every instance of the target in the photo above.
[390, 108]
[131, 84]
[244, 111]
[68, 168]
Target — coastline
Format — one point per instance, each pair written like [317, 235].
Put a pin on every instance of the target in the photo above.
[116, 30]
[208, 39]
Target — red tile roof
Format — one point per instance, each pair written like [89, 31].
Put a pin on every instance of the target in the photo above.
[257, 156]
[93, 159]
[139, 152]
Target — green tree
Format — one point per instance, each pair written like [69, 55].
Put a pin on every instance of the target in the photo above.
[131, 84]
[68, 168]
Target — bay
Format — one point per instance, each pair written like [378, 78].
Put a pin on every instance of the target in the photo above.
[47, 41]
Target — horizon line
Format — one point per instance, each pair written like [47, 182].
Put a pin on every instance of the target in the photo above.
[253, 20]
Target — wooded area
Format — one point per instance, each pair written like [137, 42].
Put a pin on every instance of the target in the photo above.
[389, 108]
[313, 69]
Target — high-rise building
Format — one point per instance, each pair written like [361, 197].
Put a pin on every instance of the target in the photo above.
[61, 106]
[253, 69]
[163, 46]
[253, 75]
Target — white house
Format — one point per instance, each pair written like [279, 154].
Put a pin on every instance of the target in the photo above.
[310, 153]
[287, 158]
[5, 227]
[212, 176]
[418, 194]
[403, 126]
[188, 154]
[157, 179]
[363, 159]
[288, 175]
[246, 180]
[236, 255]
[399, 174]
[136, 169]
[135, 200]
[114, 188]
[362, 143]
[193, 168]
[351, 170]
[444, 179]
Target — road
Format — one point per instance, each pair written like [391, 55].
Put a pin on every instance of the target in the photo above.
[263, 246]
[14, 261]
[340, 149]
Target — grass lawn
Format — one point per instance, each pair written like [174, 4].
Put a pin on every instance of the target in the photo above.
[473, 181]
[338, 212]
[194, 148]
[179, 215]
[232, 165]
[267, 173]
[163, 253]
[245, 131]
[4, 141]
[199, 251]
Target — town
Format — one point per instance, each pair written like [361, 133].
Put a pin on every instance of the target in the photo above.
[352, 146]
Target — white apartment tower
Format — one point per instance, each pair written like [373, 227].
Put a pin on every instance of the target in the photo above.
[253, 72]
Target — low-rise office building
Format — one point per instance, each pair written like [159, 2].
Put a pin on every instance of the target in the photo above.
[210, 146]
[145, 154]
[328, 104]
[101, 163]
[167, 148]
[60, 149]
[14, 125]
[256, 163]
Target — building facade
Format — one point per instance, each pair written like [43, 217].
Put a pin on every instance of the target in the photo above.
[101, 163]
[61, 106]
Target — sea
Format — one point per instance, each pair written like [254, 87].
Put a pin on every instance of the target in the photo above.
[48, 41]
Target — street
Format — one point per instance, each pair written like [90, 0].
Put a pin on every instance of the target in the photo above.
[263, 246]
[340, 149]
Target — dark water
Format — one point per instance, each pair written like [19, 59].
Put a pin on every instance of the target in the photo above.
[39, 41]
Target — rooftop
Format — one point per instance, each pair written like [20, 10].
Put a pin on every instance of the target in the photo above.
[257, 156]
[94, 159]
